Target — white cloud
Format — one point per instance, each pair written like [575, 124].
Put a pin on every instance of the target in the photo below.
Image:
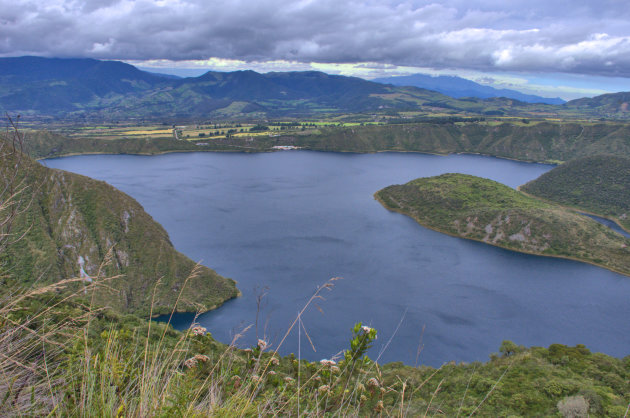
[572, 36]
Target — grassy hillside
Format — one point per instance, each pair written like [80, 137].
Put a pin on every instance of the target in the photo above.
[598, 184]
[487, 211]
[73, 226]
[42, 144]
[536, 141]
[543, 141]
[612, 105]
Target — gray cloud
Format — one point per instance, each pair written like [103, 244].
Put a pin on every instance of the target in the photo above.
[576, 36]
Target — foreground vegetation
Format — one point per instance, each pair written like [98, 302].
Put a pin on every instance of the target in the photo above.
[65, 357]
[484, 210]
[597, 184]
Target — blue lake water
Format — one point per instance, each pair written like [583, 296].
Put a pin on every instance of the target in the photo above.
[610, 224]
[286, 222]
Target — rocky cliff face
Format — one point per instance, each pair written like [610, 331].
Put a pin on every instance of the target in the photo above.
[74, 226]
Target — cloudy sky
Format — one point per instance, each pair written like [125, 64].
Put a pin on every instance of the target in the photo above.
[553, 47]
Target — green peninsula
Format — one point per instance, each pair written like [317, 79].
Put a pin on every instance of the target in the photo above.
[484, 210]
[598, 184]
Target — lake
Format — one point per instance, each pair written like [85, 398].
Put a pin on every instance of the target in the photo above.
[281, 224]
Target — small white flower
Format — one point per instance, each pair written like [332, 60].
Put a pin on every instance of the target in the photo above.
[262, 344]
[323, 389]
[379, 407]
[190, 363]
[372, 382]
[202, 358]
[366, 330]
[199, 330]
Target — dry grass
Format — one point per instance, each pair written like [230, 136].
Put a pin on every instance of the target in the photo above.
[52, 367]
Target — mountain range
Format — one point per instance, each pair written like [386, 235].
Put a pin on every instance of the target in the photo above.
[88, 89]
[458, 87]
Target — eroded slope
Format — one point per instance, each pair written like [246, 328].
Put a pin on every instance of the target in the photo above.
[74, 226]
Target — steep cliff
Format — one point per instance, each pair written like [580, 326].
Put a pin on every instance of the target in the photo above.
[67, 225]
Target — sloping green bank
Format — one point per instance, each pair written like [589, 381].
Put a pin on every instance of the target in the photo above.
[74, 226]
[484, 210]
[597, 184]
[45, 144]
[539, 141]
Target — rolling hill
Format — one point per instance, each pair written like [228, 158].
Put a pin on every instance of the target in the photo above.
[598, 184]
[56, 86]
[541, 141]
[613, 105]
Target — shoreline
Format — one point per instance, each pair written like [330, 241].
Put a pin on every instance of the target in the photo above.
[270, 150]
[574, 209]
[144, 154]
[198, 312]
[377, 198]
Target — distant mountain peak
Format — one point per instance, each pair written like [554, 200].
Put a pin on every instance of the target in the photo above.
[458, 87]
